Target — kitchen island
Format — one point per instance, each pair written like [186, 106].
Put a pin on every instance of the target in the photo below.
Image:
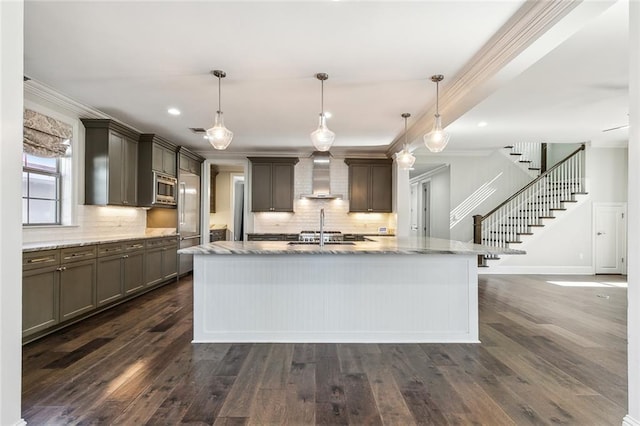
[383, 290]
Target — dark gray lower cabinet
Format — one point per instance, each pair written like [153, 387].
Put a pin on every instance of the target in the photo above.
[77, 288]
[109, 279]
[62, 284]
[40, 294]
[162, 260]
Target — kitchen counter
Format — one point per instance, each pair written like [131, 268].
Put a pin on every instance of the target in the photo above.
[375, 245]
[78, 242]
[390, 290]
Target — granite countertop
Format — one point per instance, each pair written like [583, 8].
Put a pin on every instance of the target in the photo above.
[376, 245]
[86, 241]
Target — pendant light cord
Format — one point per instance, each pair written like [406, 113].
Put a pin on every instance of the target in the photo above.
[405, 133]
[219, 95]
[322, 97]
[437, 97]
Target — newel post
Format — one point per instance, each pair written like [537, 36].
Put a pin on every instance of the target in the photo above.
[477, 229]
[477, 235]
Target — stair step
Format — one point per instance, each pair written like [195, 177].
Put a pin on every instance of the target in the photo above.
[525, 161]
[557, 208]
[579, 193]
[509, 147]
[568, 201]
[514, 242]
[534, 168]
[547, 217]
[524, 233]
[514, 153]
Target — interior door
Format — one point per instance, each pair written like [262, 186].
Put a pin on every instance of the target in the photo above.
[609, 238]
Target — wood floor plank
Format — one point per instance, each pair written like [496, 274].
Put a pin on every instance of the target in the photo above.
[391, 405]
[301, 393]
[243, 393]
[278, 366]
[330, 399]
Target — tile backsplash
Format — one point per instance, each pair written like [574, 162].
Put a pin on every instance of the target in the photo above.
[306, 214]
[92, 221]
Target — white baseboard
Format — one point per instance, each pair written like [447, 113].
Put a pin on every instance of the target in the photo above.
[21, 422]
[537, 270]
[630, 421]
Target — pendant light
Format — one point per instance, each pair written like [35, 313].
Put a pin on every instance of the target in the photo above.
[219, 136]
[436, 140]
[405, 158]
[322, 137]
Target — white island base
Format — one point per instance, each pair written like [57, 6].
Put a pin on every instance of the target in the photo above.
[364, 298]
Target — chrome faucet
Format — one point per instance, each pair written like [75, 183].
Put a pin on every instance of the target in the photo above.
[321, 227]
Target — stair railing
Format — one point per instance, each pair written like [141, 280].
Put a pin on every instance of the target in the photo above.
[534, 202]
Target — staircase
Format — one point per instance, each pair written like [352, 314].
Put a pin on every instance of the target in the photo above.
[529, 156]
[524, 212]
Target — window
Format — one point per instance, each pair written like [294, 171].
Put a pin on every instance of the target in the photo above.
[41, 183]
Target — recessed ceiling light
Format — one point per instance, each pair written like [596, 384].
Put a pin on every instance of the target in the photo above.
[483, 124]
[173, 111]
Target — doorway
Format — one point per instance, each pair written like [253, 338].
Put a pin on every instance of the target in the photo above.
[609, 238]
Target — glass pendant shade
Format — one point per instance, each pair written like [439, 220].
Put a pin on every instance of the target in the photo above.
[322, 137]
[436, 140]
[219, 136]
[405, 159]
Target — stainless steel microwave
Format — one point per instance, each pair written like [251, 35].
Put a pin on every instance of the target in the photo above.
[165, 190]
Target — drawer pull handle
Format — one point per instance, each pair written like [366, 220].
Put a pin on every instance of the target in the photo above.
[40, 259]
[86, 253]
[62, 268]
[126, 256]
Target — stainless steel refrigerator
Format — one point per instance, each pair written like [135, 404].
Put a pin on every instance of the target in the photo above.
[188, 217]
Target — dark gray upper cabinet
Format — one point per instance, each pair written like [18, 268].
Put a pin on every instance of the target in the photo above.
[272, 184]
[189, 161]
[111, 163]
[370, 185]
[155, 155]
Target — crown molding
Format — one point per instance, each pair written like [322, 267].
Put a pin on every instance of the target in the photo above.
[527, 25]
[81, 110]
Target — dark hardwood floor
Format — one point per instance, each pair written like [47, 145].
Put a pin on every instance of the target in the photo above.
[550, 354]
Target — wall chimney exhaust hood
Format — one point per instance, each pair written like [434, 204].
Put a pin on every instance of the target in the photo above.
[321, 180]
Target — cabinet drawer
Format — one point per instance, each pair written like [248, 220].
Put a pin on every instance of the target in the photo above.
[160, 242]
[78, 253]
[40, 259]
[134, 246]
[110, 249]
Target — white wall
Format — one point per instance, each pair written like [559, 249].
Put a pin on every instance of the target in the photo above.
[11, 71]
[565, 245]
[306, 214]
[476, 184]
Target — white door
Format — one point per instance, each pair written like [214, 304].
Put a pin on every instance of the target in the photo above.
[609, 238]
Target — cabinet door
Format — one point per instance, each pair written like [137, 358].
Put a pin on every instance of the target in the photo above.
[157, 158]
[282, 187]
[109, 282]
[40, 303]
[359, 184]
[77, 289]
[133, 272]
[116, 158]
[169, 162]
[170, 261]
[261, 187]
[130, 173]
[153, 268]
[381, 188]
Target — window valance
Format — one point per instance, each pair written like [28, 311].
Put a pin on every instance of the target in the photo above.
[45, 136]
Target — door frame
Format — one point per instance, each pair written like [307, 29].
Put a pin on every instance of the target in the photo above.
[622, 237]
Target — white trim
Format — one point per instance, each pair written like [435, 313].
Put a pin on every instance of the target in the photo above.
[630, 421]
[536, 270]
[47, 93]
[427, 175]
[21, 422]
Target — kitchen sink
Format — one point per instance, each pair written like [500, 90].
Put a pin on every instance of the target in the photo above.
[316, 243]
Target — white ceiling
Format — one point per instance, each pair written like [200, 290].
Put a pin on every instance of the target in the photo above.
[133, 60]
